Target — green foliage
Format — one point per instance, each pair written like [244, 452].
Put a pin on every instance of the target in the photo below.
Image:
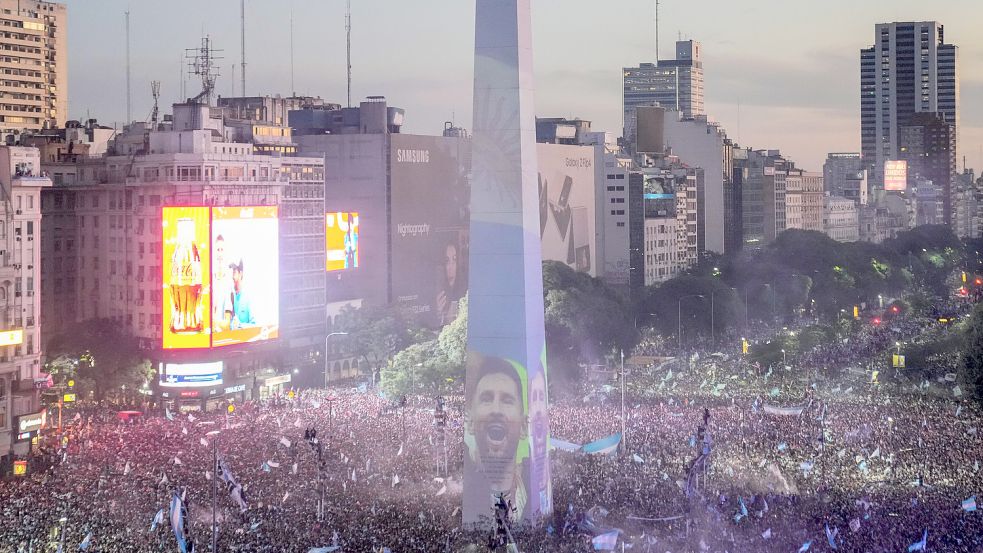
[376, 334]
[435, 366]
[100, 356]
[972, 359]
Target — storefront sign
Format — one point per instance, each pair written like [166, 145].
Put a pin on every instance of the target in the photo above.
[11, 338]
[190, 393]
[284, 379]
[235, 389]
[30, 423]
[20, 468]
[69, 398]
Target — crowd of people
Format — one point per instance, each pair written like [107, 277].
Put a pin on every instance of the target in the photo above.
[795, 468]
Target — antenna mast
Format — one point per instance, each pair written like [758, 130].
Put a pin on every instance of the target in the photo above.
[293, 89]
[129, 118]
[348, 29]
[242, 9]
[155, 90]
[201, 62]
[656, 31]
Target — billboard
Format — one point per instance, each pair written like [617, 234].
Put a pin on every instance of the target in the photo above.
[896, 175]
[220, 276]
[190, 375]
[186, 268]
[341, 240]
[567, 206]
[429, 226]
[246, 275]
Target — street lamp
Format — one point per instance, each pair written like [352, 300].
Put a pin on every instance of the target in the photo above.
[679, 318]
[326, 338]
[713, 312]
[784, 360]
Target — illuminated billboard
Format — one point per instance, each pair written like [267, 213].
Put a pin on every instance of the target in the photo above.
[186, 267]
[190, 375]
[429, 226]
[896, 175]
[567, 206]
[246, 275]
[341, 240]
[220, 276]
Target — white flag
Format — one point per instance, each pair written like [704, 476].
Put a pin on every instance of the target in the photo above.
[191, 417]
[177, 461]
[184, 431]
[203, 442]
[767, 534]
[285, 496]
[395, 479]
[400, 452]
[163, 478]
[284, 441]
[273, 464]
[293, 469]
[126, 469]
[855, 525]
[208, 475]
[353, 475]
[297, 423]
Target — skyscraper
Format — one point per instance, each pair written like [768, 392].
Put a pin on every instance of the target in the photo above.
[35, 65]
[909, 69]
[675, 84]
[928, 144]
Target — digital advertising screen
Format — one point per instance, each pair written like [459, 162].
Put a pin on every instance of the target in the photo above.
[190, 375]
[896, 175]
[430, 226]
[186, 268]
[341, 236]
[567, 206]
[245, 275]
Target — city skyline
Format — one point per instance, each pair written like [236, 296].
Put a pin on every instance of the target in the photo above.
[777, 89]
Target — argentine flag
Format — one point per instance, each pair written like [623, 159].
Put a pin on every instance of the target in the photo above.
[608, 541]
[84, 545]
[177, 522]
[604, 446]
[919, 545]
[969, 505]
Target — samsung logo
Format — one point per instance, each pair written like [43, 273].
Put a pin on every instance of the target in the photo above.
[412, 156]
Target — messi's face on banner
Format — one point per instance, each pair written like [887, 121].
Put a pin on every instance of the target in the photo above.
[496, 409]
[537, 412]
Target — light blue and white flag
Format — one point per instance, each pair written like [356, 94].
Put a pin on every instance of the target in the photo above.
[831, 536]
[168, 414]
[919, 545]
[805, 547]
[606, 542]
[84, 545]
[158, 520]
[604, 446]
[327, 549]
[177, 522]
[563, 445]
[969, 505]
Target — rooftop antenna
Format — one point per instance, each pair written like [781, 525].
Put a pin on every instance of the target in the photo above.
[155, 90]
[184, 95]
[293, 89]
[201, 63]
[242, 10]
[348, 30]
[656, 31]
[129, 117]
[233, 79]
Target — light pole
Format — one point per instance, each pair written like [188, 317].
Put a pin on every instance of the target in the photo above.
[624, 436]
[784, 360]
[679, 319]
[326, 338]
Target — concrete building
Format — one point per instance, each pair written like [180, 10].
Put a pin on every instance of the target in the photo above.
[271, 110]
[21, 416]
[34, 63]
[104, 233]
[74, 141]
[675, 84]
[700, 143]
[671, 225]
[910, 69]
[845, 175]
[804, 200]
[928, 144]
[841, 219]
[928, 201]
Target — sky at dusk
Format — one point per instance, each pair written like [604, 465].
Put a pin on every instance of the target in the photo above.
[779, 74]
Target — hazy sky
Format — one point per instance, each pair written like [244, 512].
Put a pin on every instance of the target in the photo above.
[791, 65]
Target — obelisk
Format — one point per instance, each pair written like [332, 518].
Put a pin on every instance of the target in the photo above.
[506, 418]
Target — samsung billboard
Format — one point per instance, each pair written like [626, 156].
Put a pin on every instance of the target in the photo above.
[568, 206]
[429, 226]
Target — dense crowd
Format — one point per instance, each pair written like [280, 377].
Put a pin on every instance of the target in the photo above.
[868, 469]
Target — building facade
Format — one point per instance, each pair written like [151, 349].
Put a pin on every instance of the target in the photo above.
[21, 415]
[841, 219]
[928, 144]
[910, 69]
[844, 175]
[34, 64]
[675, 84]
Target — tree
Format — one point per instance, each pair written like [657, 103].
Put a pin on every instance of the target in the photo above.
[972, 361]
[434, 366]
[101, 356]
[376, 334]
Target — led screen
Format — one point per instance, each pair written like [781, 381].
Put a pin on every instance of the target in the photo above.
[190, 375]
[185, 267]
[245, 275]
[341, 236]
[896, 175]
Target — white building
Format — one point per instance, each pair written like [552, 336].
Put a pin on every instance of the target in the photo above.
[675, 84]
[20, 299]
[841, 219]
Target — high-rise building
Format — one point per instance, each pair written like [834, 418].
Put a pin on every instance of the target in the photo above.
[844, 175]
[804, 200]
[928, 144]
[34, 65]
[21, 415]
[675, 84]
[910, 69]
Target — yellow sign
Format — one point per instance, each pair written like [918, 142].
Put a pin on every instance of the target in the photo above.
[856, 312]
[69, 398]
[898, 361]
[20, 468]
[873, 378]
[71, 383]
[232, 409]
[11, 338]
[290, 394]
[745, 347]
[964, 278]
